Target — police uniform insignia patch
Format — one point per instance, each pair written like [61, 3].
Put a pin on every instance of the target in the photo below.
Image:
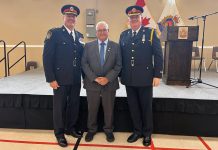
[48, 36]
[81, 41]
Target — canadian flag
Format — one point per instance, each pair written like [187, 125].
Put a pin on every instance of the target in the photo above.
[148, 20]
[170, 16]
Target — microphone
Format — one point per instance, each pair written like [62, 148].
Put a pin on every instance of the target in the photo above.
[191, 18]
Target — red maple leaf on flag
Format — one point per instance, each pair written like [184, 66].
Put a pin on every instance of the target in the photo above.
[140, 3]
[145, 20]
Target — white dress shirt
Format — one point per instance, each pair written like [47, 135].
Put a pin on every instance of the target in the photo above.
[69, 31]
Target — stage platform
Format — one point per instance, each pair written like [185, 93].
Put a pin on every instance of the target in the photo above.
[33, 83]
[26, 102]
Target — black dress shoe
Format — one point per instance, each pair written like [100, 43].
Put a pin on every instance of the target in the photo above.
[133, 138]
[110, 137]
[89, 136]
[62, 141]
[67, 132]
[74, 133]
[146, 141]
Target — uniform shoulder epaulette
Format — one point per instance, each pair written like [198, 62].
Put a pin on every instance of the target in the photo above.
[129, 30]
[126, 32]
[80, 34]
[149, 28]
[53, 29]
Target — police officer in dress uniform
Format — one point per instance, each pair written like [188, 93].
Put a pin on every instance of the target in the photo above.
[142, 61]
[62, 65]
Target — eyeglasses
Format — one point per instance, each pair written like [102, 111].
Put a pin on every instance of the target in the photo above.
[103, 30]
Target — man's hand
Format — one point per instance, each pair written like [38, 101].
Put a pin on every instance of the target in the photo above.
[98, 80]
[156, 82]
[54, 85]
[102, 80]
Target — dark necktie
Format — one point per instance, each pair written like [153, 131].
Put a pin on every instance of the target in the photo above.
[134, 34]
[102, 53]
[71, 34]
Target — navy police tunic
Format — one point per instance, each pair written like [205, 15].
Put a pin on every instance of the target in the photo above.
[62, 57]
[142, 57]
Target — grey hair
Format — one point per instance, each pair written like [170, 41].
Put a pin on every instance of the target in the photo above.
[102, 22]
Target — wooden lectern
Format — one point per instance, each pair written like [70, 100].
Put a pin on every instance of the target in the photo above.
[178, 53]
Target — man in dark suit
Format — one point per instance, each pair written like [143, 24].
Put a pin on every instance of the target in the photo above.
[62, 64]
[101, 63]
[142, 61]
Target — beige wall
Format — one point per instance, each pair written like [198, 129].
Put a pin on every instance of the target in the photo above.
[29, 20]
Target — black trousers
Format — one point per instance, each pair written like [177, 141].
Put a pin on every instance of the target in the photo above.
[66, 102]
[140, 106]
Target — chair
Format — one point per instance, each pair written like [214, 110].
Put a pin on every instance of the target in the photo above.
[196, 56]
[31, 65]
[214, 58]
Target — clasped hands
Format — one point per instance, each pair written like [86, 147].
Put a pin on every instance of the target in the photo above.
[102, 80]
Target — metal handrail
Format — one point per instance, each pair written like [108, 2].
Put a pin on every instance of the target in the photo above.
[24, 56]
[4, 58]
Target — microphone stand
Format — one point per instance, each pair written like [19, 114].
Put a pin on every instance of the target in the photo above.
[199, 80]
[196, 44]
